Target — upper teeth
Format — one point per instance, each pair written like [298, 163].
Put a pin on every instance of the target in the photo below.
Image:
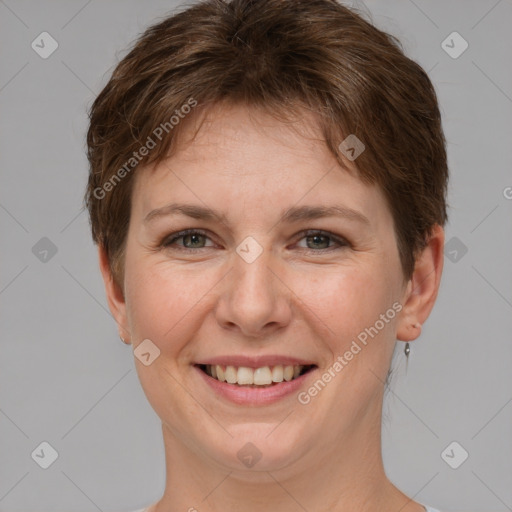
[260, 376]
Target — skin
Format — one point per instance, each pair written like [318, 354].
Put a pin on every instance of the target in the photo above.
[326, 455]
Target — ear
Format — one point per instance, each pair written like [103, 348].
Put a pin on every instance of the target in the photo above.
[115, 296]
[422, 289]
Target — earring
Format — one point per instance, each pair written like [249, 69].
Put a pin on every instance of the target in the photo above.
[121, 338]
[407, 349]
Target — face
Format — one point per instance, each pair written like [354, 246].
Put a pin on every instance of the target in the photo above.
[262, 284]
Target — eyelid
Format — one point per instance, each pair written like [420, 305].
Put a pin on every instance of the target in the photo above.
[338, 240]
[168, 240]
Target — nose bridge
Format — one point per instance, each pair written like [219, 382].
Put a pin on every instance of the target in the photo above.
[252, 299]
[252, 275]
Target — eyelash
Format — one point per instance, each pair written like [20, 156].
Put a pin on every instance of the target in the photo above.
[170, 240]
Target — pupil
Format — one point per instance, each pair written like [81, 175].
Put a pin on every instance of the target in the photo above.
[193, 237]
[316, 237]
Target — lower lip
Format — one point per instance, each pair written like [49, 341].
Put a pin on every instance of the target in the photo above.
[254, 396]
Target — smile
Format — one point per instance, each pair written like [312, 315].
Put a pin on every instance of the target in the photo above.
[264, 376]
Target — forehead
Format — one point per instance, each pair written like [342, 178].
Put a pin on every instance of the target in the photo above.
[225, 130]
[235, 154]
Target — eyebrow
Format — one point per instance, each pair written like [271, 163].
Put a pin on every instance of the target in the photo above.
[291, 215]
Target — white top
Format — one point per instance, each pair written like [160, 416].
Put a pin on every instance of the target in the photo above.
[427, 508]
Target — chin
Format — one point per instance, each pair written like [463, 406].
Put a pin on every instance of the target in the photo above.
[258, 447]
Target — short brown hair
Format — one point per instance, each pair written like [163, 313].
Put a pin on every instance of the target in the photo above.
[276, 55]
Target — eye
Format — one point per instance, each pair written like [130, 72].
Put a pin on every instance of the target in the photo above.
[193, 239]
[319, 240]
[189, 236]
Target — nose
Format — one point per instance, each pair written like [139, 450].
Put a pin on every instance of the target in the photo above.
[255, 299]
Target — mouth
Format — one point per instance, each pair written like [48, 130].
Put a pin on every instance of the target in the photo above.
[263, 377]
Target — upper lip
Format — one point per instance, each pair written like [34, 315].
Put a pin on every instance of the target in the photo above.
[255, 361]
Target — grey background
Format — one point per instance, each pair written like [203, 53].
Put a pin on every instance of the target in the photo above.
[66, 378]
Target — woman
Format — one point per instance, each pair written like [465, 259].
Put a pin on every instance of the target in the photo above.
[267, 191]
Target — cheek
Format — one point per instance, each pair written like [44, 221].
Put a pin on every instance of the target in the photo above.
[165, 301]
[339, 296]
[343, 301]
[154, 300]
